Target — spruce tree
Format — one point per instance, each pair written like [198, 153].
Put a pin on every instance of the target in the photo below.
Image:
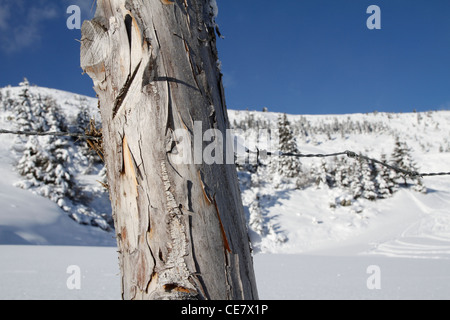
[288, 166]
[342, 173]
[44, 161]
[386, 186]
[368, 187]
[256, 220]
[354, 179]
[402, 158]
[321, 176]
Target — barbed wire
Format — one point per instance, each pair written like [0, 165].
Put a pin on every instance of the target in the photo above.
[352, 155]
[259, 153]
[56, 134]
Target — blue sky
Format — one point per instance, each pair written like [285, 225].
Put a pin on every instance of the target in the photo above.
[293, 56]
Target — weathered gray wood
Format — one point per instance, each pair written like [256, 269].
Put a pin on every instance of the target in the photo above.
[180, 227]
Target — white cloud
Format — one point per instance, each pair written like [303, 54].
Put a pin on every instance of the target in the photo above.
[38, 14]
[22, 22]
[229, 80]
[4, 14]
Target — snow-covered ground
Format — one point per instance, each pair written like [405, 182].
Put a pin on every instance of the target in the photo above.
[395, 248]
[43, 272]
[409, 225]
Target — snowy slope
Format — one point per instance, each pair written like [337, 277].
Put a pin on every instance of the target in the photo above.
[306, 244]
[30, 217]
[26, 218]
[293, 220]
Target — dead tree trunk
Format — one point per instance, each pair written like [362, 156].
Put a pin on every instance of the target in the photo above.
[180, 225]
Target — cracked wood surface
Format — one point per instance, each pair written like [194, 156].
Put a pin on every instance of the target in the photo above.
[180, 228]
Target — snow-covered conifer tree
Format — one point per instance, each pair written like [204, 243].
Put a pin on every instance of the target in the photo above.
[256, 221]
[386, 186]
[321, 176]
[368, 187]
[44, 161]
[403, 159]
[354, 179]
[341, 172]
[288, 166]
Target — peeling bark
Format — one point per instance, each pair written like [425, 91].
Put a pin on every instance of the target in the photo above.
[180, 228]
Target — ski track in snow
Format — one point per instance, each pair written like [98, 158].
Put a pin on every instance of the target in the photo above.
[429, 236]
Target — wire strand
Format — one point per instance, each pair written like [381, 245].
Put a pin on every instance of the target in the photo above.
[348, 153]
[56, 134]
[352, 155]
